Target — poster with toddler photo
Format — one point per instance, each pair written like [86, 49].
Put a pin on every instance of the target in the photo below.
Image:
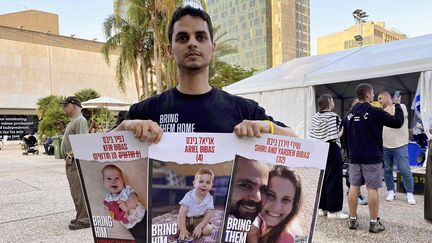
[113, 173]
[190, 174]
[274, 191]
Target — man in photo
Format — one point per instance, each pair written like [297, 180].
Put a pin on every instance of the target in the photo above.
[248, 183]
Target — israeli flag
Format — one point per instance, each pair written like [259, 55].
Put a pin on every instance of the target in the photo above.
[416, 102]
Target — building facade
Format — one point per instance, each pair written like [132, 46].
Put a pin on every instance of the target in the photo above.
[35, 64]
[372, 33]
[265, 32]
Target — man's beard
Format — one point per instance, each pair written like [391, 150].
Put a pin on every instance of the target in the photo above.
[236, 209]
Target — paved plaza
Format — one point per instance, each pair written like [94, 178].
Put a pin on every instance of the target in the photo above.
[36, 206]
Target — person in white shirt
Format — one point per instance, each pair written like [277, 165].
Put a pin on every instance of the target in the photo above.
[395, 142]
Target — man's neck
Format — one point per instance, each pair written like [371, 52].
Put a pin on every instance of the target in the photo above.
[194, 83]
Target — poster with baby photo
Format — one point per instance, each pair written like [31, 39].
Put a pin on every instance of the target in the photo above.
[274, 190]
[190, 174]
[113, 172]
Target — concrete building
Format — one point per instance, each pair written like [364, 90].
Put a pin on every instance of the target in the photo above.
[265, 32]
[32, 20]
[372, 32]
[34, 65]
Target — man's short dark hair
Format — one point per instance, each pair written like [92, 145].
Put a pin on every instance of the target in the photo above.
[188, 10]
[362, 90]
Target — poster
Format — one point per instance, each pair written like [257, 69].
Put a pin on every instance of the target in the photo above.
[202, 187]
[190, 174]
[274, 191]
[113, 171]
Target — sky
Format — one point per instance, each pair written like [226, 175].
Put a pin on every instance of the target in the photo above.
[84, 18]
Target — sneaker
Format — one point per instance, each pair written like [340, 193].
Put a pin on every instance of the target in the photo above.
[322, 213]
[78, 225]
[376, 227]
[362, 200]
[352, 223]
[73, 221]
[411, 199]
[390, 196]
[337, 215]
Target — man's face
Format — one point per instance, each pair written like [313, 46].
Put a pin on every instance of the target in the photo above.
[191, 45]
[384, 100]
[68, 109]
[249, 182]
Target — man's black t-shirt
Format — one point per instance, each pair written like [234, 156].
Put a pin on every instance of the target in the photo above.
[214, 111]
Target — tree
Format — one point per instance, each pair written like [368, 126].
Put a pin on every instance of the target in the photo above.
[227, 74]
[53, 121]
[124, 38]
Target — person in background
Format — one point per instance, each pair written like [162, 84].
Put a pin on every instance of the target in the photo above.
[395, 141]
[326, 127]
[363, 126]
[77, 125]
[361, 198]
[47, 142]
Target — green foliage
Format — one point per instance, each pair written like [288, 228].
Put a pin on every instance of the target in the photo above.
[54, 120]
[45, 103]
[104, 120]
[87, 94]
[226, 74]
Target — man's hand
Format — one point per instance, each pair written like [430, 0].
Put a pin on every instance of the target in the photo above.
[197, 232]
[69, 161]
[398, 99]
[248, 128]
[144, 130]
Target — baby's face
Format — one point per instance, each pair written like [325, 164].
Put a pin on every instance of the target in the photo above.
[113, 180]
[203, 183]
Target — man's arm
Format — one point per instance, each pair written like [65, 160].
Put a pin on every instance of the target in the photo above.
[248, 128]
[393, 121]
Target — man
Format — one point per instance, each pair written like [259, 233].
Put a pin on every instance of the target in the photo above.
[249, 182]
[77, 125]
[363, 126]
[395, 143]
[195, 106]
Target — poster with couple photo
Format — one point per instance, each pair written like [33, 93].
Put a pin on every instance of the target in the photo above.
[113, 172]
[274, 190]
[190, 175]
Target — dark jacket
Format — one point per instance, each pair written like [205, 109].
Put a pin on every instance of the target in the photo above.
[363, 126]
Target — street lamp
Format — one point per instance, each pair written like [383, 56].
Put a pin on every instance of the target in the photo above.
[360, 16]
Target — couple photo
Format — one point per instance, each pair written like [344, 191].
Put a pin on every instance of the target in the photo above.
[271, 197]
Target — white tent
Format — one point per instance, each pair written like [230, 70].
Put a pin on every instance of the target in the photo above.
[288, 91]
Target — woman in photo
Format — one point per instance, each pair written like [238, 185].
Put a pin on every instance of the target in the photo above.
[281, 204]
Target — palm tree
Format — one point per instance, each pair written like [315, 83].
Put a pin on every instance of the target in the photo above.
[223, 48]
[155, 14]
[122, 38]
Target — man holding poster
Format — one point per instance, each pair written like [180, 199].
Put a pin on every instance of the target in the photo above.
[194, 105]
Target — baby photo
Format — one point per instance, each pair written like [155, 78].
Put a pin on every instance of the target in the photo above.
[188, 200]
[116, 194]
